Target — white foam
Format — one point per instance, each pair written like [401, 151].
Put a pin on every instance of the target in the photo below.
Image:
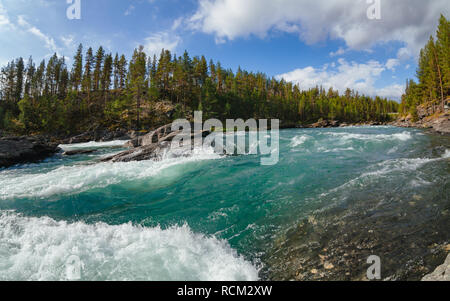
[404, 136]
[299, 140]
[93, 144]
[78, 178]
[39, 248]
[388, 167]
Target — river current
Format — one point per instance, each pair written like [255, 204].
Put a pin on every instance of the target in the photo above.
[213, 217]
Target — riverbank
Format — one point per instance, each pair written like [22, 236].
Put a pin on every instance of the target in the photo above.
[437, 122]
[16, 150]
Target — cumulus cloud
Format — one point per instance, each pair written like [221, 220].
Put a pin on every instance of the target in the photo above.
[408, 21]
[360, 77]
[161, 40]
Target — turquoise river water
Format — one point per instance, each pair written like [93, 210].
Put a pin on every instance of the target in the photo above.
[203, 217]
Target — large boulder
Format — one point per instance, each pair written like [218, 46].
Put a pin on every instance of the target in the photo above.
[150, 138]
[15, 150]
[154, 145]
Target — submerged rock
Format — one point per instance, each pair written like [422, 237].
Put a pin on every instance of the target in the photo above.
[15, 150]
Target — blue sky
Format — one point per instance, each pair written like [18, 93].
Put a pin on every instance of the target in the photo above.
[320, 42]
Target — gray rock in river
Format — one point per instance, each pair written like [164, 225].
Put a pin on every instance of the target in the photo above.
[15, 150]
[153, 137]
[153, 146]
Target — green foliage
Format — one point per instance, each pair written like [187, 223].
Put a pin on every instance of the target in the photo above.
[433, 74]
[109, 91]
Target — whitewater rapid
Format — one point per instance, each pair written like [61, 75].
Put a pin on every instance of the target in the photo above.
[41, 249]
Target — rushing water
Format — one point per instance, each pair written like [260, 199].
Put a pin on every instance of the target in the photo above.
[204, 217]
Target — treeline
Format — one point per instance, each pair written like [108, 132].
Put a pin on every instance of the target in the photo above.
[433, 74]
[108, 90]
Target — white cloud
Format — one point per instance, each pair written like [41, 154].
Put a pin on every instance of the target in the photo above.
[392, 63]
[360, 77]
[4, 19]
[409, 21]
[161, 40]
[338, 52]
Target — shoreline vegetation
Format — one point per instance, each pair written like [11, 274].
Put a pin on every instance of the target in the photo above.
[426, 103]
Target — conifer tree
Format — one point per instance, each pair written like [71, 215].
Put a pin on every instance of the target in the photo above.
[87, 77]
[77, 70]
[98, 68]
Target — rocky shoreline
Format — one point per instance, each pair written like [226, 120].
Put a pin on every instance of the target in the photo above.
[16, 150]
[426, 119]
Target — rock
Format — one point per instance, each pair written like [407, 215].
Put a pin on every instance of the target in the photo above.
[424, 111]
[79, 152]
[325, 124]
[149, 152]
[15, 150]
[152, 137]
[442, 273]
[442, 125]
[153, 146]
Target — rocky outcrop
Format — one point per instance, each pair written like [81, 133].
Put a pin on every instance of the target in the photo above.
[442, 273]
[15, 150]
[437, 123]
[152, 137]
[428, 117]
[153, 145]
[442, 124]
